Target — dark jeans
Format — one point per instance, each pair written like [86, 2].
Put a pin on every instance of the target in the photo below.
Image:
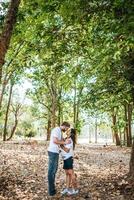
[52, 169]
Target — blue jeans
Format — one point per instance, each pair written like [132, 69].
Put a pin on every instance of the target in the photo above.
[52, 169]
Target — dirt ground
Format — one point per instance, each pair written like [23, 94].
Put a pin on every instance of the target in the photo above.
[102, 172]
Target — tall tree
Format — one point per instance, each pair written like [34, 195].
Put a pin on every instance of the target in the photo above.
[6, 34]
[7, 112]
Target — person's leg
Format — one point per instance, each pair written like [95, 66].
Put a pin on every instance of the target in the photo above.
[52, 169]
[67, 178]
[73, 181]
[71, 177]
[65, 190]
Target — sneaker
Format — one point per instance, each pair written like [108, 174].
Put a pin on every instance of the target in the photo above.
[73, 192]
[65, 191]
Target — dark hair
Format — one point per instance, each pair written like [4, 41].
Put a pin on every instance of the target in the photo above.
[65, 124]
[73, 136]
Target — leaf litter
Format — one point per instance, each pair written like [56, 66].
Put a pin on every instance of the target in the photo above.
[101, 172]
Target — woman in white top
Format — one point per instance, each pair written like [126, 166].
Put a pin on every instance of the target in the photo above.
[67, 154]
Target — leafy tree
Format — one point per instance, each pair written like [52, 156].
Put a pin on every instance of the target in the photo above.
[6, 34]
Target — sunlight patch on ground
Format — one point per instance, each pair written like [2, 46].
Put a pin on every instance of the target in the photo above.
[99, 141]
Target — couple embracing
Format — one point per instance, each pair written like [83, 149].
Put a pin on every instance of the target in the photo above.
[65, 147]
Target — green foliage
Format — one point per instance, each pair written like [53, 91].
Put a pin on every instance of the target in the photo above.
[30, 134]
[82, 47]
[3, 11]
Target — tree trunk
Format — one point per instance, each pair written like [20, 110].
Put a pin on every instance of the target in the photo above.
[117, 139]
[59, 107]
[59, 115]
[131, 165]
[2, 92]
[62, 117]
[74, 105]
[96, 127]
[6, 34]
[52, 87]
[54, 105]
[13, 129]
[126, 125]
[48, 129]
[78, 107]
[7, 112]
[130, 108]
[128, 119]
[115, 131]
[124, 136]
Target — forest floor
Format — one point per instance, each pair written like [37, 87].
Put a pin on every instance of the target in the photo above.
[101, 172]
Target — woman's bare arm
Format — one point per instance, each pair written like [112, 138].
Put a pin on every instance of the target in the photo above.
[64, 148]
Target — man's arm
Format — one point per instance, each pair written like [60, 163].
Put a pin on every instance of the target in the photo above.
[56, 141]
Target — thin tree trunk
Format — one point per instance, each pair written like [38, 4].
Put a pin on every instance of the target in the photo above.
[74, 105]
[120, 134]
[62, 117]
[113, 138]
[7, 112]
[115, 132]
[59, 107]
[13, 129]
[59, 115]
[2, 91]
[128, 119]
[16, 114]
[126, 125]
[53, 118]
[124, 137]
[53, 94]
[48, 129]
[130, 108]
[54, 106]
[96, 127]
[78, 106]
[6, 34]
[131, 165]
